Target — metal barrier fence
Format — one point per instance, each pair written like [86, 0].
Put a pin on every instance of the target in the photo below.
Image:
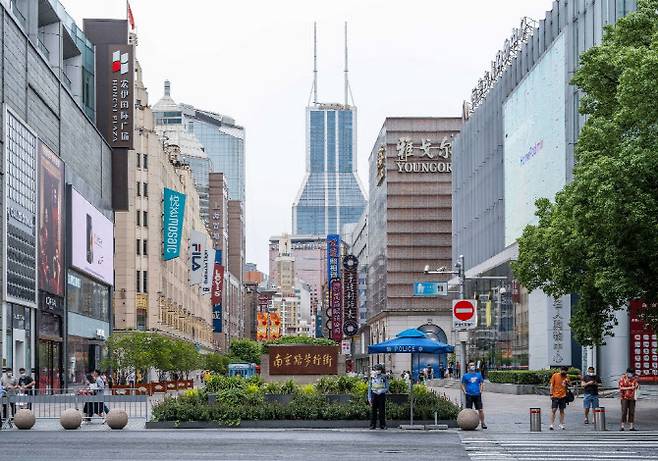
[92, 406]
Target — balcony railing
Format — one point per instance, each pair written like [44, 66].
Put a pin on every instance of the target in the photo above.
[66, 80]
[43, 48]
[18, 13]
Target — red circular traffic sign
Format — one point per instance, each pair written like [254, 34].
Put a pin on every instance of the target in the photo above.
[464, 310]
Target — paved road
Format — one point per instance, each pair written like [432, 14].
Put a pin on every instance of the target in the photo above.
[561, 446]
[231, 445]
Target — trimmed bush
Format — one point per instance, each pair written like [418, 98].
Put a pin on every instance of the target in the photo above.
[533, 377]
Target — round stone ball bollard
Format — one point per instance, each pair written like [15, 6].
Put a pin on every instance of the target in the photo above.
[24, 419]
[70, 419]
[117, 419]
[468, 419]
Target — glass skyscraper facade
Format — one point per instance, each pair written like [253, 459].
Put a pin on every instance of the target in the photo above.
[331, 194]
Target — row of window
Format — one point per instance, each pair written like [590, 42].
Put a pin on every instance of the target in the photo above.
[142, 189]
[141, 279]
[143, 161]
[142, 218]
[142, 247]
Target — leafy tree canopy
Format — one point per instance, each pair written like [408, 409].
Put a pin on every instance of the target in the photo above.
[599, 239]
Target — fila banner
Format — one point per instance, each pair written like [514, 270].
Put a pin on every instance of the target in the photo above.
[198, 244]
[172, 229]
[216, 293]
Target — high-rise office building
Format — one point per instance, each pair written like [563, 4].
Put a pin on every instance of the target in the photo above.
[331, 194]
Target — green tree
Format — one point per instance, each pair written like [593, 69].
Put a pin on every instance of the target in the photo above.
[246, 350]
[599, 239]
[162, 354]
[128, 350]
[216, 363]
[184, 358]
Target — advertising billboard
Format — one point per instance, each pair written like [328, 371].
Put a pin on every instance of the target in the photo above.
[92, 236]
[335, 310]
[208, 269]
[216, 293]
[20, 212]
[172, 229]
[51, 221]
[197, 251]
[350, 295]
[644, 345]
[535, 140]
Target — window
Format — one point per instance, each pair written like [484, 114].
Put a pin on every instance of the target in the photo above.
[145, 248]
[139, 156]
[145, 220]
[146, 189]
[139, 215]
[139, 247]
[145, 284]
[141, 319]
[138, 280]
[139, 194]
[145, 162]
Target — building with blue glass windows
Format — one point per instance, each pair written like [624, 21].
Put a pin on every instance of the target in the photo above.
[331, 194]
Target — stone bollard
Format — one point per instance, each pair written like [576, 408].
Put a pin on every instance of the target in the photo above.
[468, 419]
[24, 419]
[70, 419]
[117, 419]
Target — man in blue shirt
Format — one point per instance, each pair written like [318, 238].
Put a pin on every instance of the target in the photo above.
[472, 384]
[377, 389]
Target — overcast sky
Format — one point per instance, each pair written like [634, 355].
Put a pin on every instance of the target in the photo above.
[253, 60]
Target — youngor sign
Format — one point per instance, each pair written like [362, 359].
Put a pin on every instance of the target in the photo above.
[464, 314]
[174, 214]
[20, 213]
[303, 360]
[350, 295]
[92, 237]
[208, 269]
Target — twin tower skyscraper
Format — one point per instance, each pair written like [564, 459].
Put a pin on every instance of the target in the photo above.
[331, 194]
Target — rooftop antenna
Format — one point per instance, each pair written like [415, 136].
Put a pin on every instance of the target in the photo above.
[315, 62]
[347, 85]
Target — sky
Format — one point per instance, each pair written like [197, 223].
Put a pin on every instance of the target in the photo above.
[253, 60]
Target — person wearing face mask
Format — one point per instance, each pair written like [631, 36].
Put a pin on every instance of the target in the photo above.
[26, 384]
[377, 389]
[472, 385]
[628, 387]
[590, 383]
[559, 386]
[9, 383]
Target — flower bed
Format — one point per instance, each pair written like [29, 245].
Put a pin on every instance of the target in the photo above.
[237, 399]
[536, 377]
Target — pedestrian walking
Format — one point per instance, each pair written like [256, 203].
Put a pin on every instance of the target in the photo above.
[26, 384]
[472, 385]
[377, 389]
[10, 385]
[590, 383]
[628, 386]
[559, 386]
[100, 383]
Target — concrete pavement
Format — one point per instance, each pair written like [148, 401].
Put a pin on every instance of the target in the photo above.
[510, 413]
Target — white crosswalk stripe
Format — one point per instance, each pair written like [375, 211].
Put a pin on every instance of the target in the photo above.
[613, 448]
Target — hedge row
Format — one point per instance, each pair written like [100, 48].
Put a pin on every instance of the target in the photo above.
[536, 377]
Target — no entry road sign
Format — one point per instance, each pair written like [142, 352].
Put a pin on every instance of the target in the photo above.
[464, 314]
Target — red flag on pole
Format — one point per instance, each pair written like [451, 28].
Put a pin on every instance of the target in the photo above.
[129, 14]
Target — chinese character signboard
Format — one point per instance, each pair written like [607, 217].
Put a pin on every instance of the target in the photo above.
[559, 331]
[303, 360]
[335, 311]
[425, 157]
[172, 230]
[643, 346]
[216, 294]
[121, 84]
[350, 295]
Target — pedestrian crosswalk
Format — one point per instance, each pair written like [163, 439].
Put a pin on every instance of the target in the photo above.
[533, 448]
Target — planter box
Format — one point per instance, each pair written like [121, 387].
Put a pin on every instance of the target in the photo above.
[290, 424]
[283, 399]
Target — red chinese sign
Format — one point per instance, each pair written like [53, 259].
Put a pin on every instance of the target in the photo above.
[303, 360]
[643, 346]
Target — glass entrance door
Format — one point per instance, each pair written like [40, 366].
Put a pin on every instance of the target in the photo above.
[50, 366]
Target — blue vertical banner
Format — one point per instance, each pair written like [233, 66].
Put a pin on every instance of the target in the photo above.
[172, 229]
[333, 257]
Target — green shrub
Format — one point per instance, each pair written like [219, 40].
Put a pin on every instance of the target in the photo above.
[301, 340]
[217, 383]
[398, 386]
[535, 377]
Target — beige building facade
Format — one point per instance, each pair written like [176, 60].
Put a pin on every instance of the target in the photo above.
[151, 294]
[409, 226]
